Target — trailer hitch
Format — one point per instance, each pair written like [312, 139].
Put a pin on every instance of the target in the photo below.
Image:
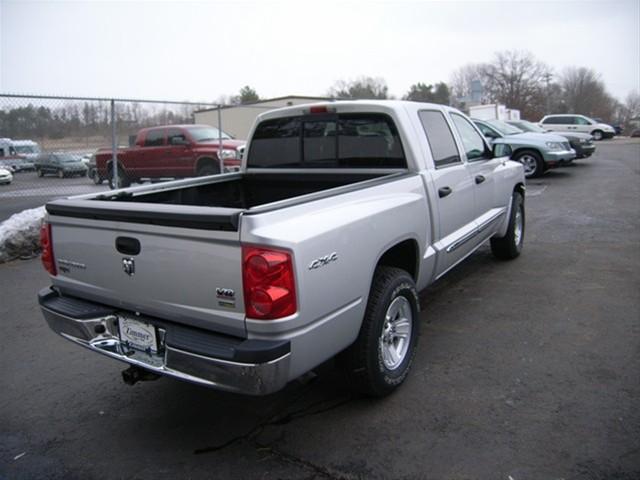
[133, 375]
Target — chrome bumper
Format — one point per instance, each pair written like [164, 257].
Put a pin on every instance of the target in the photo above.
[245, 378]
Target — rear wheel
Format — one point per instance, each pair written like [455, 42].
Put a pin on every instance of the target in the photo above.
[532, 163]
[380, 358]
[123, 179]
[510, 246]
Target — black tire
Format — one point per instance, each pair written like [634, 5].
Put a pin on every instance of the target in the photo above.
[40, 173]
[532, 162]
[510, 246]
[364, 362]
[597, 135]
[97, 179]
[123, 179]
[208, 169]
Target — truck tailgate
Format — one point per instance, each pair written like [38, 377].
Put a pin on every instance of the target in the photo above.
[180, 266]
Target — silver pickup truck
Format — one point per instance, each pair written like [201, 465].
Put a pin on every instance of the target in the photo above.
[341, 213]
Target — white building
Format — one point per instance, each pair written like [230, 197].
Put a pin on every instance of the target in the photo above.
[237, 120]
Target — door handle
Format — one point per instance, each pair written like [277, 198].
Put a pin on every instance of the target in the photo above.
[480, 179]
[444, 191]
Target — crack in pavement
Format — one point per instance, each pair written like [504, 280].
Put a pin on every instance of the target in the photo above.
[299, 462]
[278, 419]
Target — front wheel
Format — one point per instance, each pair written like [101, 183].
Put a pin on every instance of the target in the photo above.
[95, 176]
[532, 163]
[510, 246]
[380, 358]
[597, 135]
[208, 169]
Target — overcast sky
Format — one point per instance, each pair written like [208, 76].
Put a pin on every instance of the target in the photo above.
[202, 50]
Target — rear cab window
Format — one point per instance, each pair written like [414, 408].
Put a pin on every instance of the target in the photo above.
[355, 140]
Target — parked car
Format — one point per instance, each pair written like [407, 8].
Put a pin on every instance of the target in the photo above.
[635, 133]
[60, 164]
[537, 152]
[340, 213]
[6, 177]
[616, 126]
[582, 143]
[577, 123]
[172, 151]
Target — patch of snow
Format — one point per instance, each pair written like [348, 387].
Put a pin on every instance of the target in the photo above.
[20, 234]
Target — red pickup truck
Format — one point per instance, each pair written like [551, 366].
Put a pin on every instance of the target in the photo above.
[173, 151]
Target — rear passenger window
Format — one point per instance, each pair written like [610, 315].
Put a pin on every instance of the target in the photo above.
[443, 146]
[154, 138]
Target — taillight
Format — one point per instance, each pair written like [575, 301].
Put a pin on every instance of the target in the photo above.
[269, 283]
[47, 249]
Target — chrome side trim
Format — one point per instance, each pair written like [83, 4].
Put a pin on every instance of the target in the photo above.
[461, 241]
[472, 234]
[484, 225]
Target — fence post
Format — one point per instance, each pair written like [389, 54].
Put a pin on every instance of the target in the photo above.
[114, 145]
[220, 139]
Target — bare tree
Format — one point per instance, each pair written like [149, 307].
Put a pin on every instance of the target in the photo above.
[632, 105]
[360, 88]
[462, 79]
[518, 80]
[584, 92]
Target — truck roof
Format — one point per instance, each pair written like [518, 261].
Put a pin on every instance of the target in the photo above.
[346, 106]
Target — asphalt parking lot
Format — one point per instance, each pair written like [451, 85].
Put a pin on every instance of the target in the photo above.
[29, 191]
[525, 370]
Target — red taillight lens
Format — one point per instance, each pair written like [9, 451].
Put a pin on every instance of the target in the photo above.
[269, 283]
[48, 259]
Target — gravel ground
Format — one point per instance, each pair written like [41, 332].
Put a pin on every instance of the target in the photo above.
[525, 370]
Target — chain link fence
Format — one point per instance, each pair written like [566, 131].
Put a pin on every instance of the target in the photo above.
[52, 147]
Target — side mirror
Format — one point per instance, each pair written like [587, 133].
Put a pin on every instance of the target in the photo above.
[502, 150]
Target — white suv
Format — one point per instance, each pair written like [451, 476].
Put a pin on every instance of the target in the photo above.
[577, 123]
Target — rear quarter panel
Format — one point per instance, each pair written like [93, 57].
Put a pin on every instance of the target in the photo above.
[358, 227]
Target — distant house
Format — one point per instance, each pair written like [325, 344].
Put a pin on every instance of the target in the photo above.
[237, 120]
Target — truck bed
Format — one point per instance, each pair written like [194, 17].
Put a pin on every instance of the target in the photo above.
[245, 191]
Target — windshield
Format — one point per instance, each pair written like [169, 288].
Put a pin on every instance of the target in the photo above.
[503, 128]
[207, 134]
[528, 126]
[68, 158]
[26, 149]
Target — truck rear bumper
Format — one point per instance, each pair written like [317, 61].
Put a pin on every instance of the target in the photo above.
[180, 352]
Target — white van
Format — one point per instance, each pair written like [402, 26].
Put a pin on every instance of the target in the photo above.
[577, 123]
[26, 148]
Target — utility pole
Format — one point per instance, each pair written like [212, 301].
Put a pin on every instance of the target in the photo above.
[547, 78]
[114, 144]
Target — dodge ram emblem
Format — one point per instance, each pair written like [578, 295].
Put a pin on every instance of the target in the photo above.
[129, 266]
